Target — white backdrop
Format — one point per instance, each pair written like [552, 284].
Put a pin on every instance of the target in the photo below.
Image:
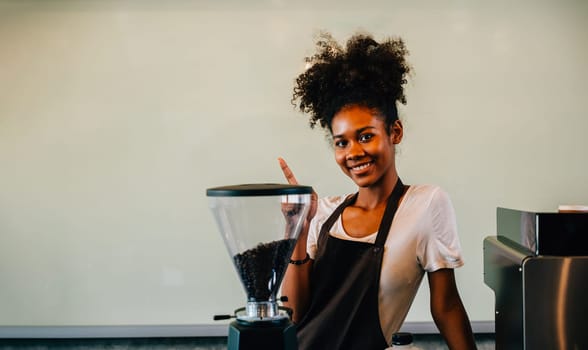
[115, 116]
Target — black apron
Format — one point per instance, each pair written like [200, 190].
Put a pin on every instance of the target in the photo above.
[345, 282]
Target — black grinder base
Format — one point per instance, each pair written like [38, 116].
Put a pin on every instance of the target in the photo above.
[277, 334]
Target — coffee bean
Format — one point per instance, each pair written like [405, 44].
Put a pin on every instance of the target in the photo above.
[262, 268]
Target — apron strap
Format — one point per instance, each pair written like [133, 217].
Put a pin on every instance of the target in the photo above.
[336, 213]
[389, 213]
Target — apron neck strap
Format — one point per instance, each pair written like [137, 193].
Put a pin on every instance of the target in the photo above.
[389, 212]
[336, 213]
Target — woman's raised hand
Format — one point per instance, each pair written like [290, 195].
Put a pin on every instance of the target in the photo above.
[292, 181]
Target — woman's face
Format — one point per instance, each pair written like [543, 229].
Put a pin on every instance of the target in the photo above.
[363, 148]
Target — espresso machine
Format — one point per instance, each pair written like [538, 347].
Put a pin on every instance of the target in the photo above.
[260, 225]
[537, 265]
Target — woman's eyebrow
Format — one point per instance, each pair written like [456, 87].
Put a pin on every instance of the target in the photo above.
[360, 130]
[357, 132]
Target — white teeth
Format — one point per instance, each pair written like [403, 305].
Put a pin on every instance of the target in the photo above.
[361, 167]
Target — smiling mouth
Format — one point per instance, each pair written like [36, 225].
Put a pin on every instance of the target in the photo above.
[361, 167]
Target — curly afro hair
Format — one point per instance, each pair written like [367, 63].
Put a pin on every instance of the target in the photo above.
[365, 73]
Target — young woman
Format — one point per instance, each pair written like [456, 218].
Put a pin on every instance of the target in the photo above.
[361, 258]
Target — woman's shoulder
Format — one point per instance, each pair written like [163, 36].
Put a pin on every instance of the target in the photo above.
[329, 203]
[427, 194]
[325, 207]
[425, 190]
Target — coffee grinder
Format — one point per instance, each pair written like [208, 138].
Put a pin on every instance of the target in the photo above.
[260, 225]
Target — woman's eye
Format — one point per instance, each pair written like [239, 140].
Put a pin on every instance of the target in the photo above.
[340, 143]
[365, 137]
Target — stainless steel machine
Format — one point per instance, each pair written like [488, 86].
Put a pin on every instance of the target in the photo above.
[537, 265]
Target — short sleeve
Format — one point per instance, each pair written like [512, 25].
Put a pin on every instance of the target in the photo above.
[440, 245]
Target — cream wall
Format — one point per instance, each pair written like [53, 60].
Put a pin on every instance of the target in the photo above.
[115, 116]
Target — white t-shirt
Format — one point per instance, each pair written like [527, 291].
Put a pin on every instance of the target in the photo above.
[423, 237]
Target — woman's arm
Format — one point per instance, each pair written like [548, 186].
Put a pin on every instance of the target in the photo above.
[296, 284]
[448, 311]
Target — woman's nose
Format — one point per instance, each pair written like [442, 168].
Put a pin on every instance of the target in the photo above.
[355, 150]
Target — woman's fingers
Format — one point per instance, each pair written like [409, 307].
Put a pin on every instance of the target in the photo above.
[287, 172]
[292, 181]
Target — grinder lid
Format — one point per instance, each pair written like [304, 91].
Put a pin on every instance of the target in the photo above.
[265, 189]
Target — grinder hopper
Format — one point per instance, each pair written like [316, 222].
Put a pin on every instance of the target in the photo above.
[260, 224]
